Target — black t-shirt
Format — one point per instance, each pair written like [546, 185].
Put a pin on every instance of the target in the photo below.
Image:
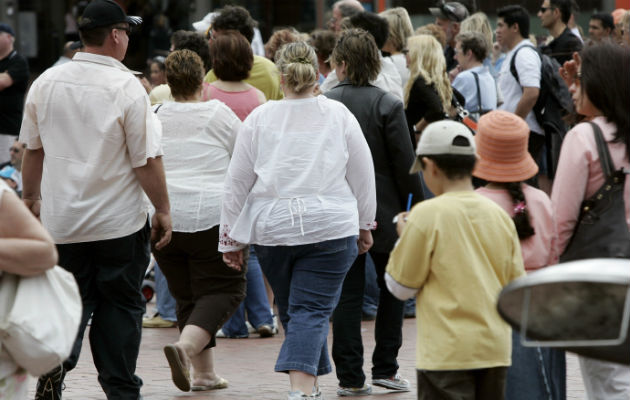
[563, 47]
[449, 55]
[12, 98]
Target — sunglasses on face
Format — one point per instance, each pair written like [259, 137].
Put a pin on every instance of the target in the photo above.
[127, 29]
[544, 9]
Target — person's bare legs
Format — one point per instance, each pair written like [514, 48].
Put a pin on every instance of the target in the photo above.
[192, 341]
[203, 369]
[302, 381]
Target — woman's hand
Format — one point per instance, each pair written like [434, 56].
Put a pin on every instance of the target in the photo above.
[401, 222]
[233, 259]
[365, 241]
[569, 69]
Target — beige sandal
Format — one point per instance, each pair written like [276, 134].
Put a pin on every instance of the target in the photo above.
[219, 384]
[177, 360]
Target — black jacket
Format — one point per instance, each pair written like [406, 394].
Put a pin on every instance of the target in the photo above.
[382, 119]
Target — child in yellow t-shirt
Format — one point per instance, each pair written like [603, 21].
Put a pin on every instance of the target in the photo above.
[456, 252]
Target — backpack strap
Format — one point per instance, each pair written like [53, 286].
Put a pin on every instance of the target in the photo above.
[158, 107]
[513, 61]
[479, 108]
[602, 150]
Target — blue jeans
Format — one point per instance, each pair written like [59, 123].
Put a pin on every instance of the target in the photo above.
[371, 294]
[306, 281]
[535, 373]
[165, 301]
[258, 312]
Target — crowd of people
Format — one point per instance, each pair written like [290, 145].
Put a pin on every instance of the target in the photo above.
[286, 177]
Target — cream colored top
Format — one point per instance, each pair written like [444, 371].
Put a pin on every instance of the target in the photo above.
[94, 121]
[198, 141]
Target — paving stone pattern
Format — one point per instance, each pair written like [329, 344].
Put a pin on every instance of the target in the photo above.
[248, 365]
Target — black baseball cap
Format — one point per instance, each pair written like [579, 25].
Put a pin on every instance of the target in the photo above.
[453, 11]
[103, 13]
[7, 28]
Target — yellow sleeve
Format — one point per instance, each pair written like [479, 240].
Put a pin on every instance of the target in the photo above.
[210, 77]
[517, 268]
[410, 261]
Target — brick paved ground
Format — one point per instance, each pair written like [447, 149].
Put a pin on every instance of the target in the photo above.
[248, 365]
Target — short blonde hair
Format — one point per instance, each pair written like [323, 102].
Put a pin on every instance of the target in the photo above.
[426, 59]
[478, 22]
[400, 27]
[297, 63]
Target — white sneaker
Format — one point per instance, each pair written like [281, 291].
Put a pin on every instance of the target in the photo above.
[299, 395]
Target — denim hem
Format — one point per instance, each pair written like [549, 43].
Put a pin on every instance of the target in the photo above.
[309, 369]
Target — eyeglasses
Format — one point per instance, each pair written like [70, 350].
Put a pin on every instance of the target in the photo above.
[544, 9]
[14, 150]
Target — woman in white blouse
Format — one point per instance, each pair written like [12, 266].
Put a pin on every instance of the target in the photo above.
[300, 188]
[26, 249]
[198, 139]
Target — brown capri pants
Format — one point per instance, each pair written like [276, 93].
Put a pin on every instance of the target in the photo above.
[206, 290]
[472, 384]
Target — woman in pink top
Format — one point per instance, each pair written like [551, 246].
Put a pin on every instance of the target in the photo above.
[232, 59]
[599, 82]
[504, 162]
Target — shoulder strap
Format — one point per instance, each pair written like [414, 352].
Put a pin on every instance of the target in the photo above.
[513, 61]
[602, 150]
[479, 108]
[158, 107]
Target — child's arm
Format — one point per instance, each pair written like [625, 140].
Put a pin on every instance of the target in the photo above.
[409, 262]
[517, 267]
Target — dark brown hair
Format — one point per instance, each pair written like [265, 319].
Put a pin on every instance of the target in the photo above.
[184, 72]
[96, 36]
[235, 17]
[521, 218]
[358, 50]
[232, 56]
[610, 96]
[193, 41]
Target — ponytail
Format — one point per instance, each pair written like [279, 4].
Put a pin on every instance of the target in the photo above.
[521, 220]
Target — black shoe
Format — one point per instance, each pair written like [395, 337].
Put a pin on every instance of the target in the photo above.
[50, 385]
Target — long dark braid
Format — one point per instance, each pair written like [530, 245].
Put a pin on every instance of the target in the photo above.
[524, 227]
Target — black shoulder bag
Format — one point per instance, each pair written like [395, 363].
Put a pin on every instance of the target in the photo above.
[601, 230]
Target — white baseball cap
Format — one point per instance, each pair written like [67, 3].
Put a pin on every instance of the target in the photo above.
[440, 138]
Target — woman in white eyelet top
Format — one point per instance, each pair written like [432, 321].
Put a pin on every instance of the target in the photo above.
[25, 249]
[300, 187]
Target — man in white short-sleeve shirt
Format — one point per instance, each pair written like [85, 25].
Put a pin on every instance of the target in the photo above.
[93, 151]
[512, 33]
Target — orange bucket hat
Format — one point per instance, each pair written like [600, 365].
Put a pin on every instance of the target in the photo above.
[501, 140]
